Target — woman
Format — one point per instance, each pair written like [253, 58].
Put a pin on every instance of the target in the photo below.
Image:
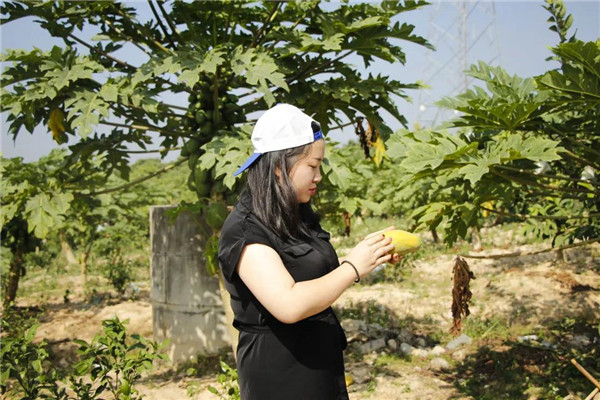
[281, 271]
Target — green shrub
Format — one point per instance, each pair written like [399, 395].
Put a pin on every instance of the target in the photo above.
[109, 365]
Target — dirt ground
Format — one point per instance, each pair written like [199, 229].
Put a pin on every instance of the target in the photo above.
[530, 286]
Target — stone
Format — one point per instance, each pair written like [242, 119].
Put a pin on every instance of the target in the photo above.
[392, 344]
[372, 345]
[463, 339]
[405, 336]
[420, 353]
[356, 330]
[527, 338]
[439, 364]
[460, 355]
[420, 342]
[437, 350]
[580, 341]
[406, 349]
[361, 374]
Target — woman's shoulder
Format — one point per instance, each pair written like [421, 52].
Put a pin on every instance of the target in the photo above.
[243, 224]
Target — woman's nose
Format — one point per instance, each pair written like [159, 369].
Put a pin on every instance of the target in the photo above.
[318, 177]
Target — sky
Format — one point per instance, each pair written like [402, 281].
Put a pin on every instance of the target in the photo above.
[511, 34]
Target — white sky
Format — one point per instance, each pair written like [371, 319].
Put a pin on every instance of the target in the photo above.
[511, 34]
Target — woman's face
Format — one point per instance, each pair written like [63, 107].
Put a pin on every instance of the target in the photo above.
[306, 172]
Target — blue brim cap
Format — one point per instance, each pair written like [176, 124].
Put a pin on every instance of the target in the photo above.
[317, 135]
[247, 164]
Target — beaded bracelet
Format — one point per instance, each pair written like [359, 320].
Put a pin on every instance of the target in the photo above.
[355, 270]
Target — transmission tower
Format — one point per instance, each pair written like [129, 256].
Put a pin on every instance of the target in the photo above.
[463, 32]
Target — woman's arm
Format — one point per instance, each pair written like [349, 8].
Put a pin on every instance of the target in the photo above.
[262, 270]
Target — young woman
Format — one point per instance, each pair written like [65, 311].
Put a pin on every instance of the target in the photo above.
[281, 270]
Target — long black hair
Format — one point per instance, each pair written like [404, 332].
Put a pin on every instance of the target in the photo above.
[274, 199]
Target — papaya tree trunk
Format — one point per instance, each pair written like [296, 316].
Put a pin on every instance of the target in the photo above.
[434, 234]
[83, 263]
[83, 266]
[347, 220]
[14, 275]
[476, 239]
[67, 251]
[226, 299]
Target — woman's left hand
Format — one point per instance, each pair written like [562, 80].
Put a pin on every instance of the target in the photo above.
[395, 256]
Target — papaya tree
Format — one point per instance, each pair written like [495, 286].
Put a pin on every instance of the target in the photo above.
[194, 76]
[32, 199]
[523, 149]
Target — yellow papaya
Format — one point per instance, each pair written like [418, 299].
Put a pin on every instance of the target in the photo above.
[349, 379]
[404, 242]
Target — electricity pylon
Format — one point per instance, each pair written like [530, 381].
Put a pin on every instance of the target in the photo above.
[463, 32]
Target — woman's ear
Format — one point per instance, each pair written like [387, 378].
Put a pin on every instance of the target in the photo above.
[278, 172]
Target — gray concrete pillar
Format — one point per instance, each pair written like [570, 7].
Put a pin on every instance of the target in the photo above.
[186, 303]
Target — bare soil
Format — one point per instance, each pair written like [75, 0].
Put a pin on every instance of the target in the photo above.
[530, 289]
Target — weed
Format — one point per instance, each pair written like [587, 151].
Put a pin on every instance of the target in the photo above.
[228, 383]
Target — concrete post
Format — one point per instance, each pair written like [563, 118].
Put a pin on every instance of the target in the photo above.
[186, 302]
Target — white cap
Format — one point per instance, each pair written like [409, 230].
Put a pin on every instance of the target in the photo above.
[282, 127]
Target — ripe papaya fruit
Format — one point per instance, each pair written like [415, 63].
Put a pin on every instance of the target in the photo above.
[404, 242]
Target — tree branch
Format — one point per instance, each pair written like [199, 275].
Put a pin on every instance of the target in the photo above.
[134, 182]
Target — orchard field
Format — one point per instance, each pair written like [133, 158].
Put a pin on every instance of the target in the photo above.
[530, 315]
[506, 194]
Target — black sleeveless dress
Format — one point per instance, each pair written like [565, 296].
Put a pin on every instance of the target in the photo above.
[277, 361]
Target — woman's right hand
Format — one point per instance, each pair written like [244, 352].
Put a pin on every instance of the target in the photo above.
[372, 251]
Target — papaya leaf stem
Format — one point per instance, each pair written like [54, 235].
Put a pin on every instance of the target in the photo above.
[129, 38]
[105, 54]
[140, 127]
[146, 33]
[160, 23]
[530, 253]
[575, 142]
[169, 21]
[543, 217]
[581, 160]
[265, 25]
[542, 185]
[564, 178]
[152, 151]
